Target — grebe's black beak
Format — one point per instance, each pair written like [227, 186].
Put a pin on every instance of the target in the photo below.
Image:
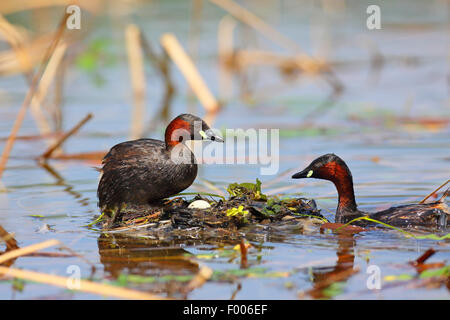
[216, 139]
[210, 135]
[307, 173]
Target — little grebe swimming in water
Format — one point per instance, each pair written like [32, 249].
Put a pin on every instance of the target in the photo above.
[139, 172]
[331, 167]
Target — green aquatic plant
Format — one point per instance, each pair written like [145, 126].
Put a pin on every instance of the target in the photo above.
[238, 212]
[255, 272]
[334, 289]
[247, 189]
[100, 218]
[426, 274]
[441, 272]
[124, 279]
[406, 233]
[96, 56]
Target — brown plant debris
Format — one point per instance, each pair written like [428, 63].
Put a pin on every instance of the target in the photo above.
[246, 209]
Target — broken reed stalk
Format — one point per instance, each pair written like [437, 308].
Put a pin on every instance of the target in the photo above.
[82, 285]
[44, 84]
[204, 274]
[338, 276]
[191, 74]
[31, 91]
[58, 89]
[47, 154]
[243, 249]
[258, 24]
[425, 256]
[16, 42]
[95, 156]
[440, 187]
[269, 32]
[137, 75]
[11, 243]
[244, 58]
[27, 250]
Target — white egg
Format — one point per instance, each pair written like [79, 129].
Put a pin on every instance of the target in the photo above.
[199, 204]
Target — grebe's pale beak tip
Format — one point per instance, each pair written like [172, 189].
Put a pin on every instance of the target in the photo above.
[307, 173]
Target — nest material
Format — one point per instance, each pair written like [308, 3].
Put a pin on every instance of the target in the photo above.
[246, 210]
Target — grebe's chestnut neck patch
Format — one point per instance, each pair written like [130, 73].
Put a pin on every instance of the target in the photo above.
[188, 127]
[332, 168]
[141, 172]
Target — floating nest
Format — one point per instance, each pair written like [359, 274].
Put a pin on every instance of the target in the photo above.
[246, 210]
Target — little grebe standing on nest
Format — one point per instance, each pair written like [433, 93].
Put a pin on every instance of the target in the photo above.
[140, 172]
[332, 168]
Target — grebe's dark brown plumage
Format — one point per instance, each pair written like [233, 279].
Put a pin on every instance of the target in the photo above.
[330, 167]
[139, 172]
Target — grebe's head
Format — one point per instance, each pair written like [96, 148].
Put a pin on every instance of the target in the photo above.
[327, 167]
[189, 127]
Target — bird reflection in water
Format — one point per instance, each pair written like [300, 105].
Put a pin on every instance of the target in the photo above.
[324, 277]
[149, 259]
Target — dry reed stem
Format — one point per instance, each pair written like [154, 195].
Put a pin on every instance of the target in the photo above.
[95, 156]
[440, 187]
[44, 84]
[33, 137]
[245, 58]
[243, 249]
[137, 75]
[8, 7]
[194, 28]
[11, 243]
[203, 275]
[58, 94]
[191, 74]
[47, 154]
[27, 250]
[226, 49]
[268, 31]
[16, 40]
[34, 83]
[258, 24]
[34, 49]
[84, 285]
